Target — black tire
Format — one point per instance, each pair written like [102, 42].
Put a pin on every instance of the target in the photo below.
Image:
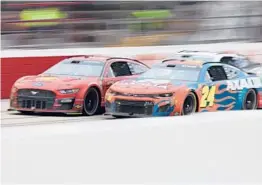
[92, 102]
[250, 101]
[190, 104]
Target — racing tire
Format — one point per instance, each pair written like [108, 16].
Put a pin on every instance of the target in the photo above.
[92, 102]
[190, 104]
[250, 101]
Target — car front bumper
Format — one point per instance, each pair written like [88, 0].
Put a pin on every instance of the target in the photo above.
[138, 108]
[62, 105]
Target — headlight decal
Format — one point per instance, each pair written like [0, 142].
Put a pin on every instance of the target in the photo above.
[165, 95]
[164, 102]
[68, 91]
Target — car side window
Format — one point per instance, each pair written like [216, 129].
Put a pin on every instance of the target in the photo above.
[226, 60]
[120, 68]
[207, 77]
[235, 61]
[110, 73]
[217, 73]
[137, 68]
[231, 72]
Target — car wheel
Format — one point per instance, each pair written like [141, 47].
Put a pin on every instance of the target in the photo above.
[91, 102]
[250, 101]
[190, 104]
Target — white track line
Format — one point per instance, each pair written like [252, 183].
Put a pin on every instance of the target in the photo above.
[14, 118]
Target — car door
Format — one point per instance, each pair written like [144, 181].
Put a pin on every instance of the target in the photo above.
[119, 69]
[238, 84]
[122, 69]
[214, 92]
[116, 71]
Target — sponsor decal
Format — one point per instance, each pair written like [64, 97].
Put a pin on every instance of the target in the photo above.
[244, 83]
[47, 78]
[78, 106]
[34, 92]
[38, 84]
[109, 98]
[191, 66]
[148, 82]
[147, 103]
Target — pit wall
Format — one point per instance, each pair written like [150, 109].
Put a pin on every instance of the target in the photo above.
[18, 63]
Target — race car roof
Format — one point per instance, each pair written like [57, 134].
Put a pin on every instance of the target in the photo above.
[100, 58]
[211, 56]
[196, 63]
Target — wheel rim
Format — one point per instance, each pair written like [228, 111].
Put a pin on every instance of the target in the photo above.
[250, 102]
[91, 102]
[189, 105]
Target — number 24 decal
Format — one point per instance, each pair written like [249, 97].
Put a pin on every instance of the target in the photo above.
[208, 96]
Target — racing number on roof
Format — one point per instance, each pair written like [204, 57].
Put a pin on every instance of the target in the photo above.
[208, 96]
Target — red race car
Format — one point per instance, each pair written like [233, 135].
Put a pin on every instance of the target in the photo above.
[76, 85]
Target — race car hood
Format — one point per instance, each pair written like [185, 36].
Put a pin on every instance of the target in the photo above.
[53, 82]
[147, 86]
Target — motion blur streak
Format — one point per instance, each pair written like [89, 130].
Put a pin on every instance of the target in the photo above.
[61, 24]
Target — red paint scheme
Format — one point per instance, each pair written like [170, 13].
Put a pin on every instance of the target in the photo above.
[55, 83]
[260, 100]
[15, 68]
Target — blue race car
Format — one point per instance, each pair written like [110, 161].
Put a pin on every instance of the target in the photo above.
[182, 87]
[233, 59]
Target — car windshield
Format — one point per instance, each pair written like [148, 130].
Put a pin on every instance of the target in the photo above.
[172, 73]
[77, 68]
[241, 62]
[207, 58]
[190, 56]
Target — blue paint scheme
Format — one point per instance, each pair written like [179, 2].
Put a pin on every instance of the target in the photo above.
[233, 98]
[237, 97]
[113, 107]
[223, 99]
[157, 112]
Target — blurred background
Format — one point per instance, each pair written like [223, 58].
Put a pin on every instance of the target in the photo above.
[68, 24]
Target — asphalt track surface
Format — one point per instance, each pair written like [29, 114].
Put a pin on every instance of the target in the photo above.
[14, 118]
[218, 147]
[205, 148]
